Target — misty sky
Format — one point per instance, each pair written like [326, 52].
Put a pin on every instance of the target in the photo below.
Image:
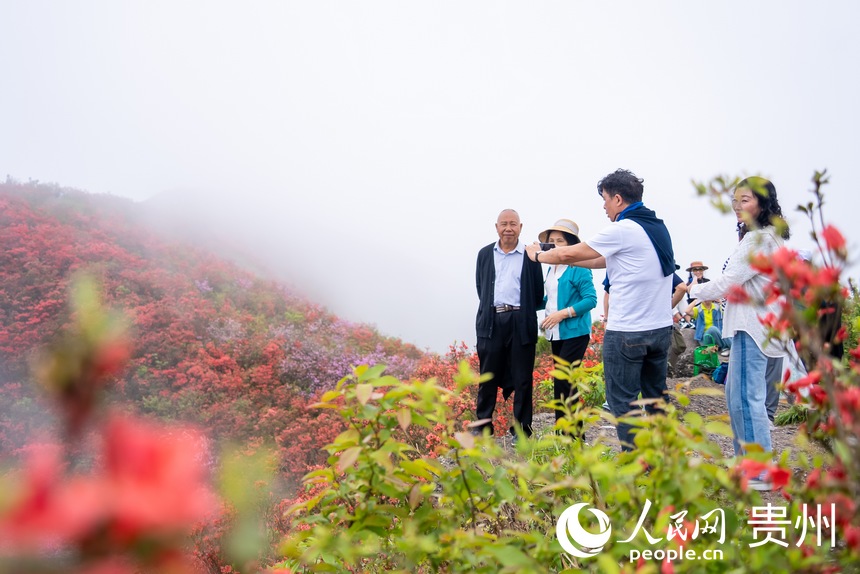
[361, 151]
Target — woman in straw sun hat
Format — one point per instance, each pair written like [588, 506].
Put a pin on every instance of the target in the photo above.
[696, 275]
[570, 297]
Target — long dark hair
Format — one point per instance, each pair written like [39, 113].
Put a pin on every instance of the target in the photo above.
[768, 204]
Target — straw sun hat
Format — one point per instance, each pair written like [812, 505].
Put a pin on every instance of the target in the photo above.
[697, 266]
[564, 225]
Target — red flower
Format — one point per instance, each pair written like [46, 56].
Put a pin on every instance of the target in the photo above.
[852, 537]
[763, 263]
[814, 479]
[809, 380]
[841, 334]
[749, 468]
[818, 395]
[51, 511]
[155, 478]
[826, 277]
[833, 238]
[737, 294]
[849, 404]
[111, 357]
[844, 507]
[779, 476]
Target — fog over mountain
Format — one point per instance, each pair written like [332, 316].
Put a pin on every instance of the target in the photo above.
[362, 151]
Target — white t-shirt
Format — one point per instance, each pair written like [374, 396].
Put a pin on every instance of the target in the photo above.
[640, 296]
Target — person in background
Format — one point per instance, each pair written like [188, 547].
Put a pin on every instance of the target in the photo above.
[679, 345]
[708, 319]
[510, 292]
[696, 272]
[636, 250]
[570, 297]
[756, 207]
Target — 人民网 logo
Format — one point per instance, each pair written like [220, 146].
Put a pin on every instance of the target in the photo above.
[575, 540]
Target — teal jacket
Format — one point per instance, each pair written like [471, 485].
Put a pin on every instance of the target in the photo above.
[576, 289]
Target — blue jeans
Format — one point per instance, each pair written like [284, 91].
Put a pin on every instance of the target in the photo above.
[633, 363]
[746, 392]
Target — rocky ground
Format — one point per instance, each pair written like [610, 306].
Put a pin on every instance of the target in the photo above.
[782, 437]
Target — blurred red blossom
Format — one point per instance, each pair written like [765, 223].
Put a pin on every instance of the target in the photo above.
[833, 238]
[149, 483]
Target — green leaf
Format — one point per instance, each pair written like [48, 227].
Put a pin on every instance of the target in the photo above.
[718, 427]
[607, 564]
[404, 418]
[415, 496]
[363, 392]
[383, 459]
[365, 373]
[708, 391]
[508, 556]
[843, 452]
[348, 458]
[693, 419]
[504, 487]
[348, 437]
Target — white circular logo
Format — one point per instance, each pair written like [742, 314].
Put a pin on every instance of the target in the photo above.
[568, 530]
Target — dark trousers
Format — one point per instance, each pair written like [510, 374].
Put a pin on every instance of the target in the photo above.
[571, 350]
[773, 377]
[512, 365]
[634, 362]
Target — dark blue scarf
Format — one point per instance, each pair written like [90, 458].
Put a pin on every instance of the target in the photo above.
[657, 233]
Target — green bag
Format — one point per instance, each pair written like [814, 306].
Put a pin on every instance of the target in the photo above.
[706, 358]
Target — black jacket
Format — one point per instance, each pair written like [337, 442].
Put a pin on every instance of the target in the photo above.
[531, 296]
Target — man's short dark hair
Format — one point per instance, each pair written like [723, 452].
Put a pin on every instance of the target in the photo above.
[622, 182]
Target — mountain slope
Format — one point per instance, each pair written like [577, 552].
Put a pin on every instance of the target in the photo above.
[215, 345]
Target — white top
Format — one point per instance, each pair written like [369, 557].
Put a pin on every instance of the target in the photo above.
[551, 288]
[640, 296]
[738, 271]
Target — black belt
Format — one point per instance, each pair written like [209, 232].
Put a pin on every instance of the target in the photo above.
[506, 308]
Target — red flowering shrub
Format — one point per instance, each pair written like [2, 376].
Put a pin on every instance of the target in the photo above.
[127, 505]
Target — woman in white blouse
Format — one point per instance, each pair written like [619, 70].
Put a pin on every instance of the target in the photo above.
[756, 207]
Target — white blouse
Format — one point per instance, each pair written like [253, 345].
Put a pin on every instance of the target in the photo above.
[738, 271]
[551, 288]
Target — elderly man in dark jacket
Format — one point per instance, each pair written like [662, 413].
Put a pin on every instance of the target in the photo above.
[510, 289]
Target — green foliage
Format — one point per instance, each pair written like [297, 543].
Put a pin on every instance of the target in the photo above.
[851, 318]
[380, 506]
[543, 347]
[795, 415]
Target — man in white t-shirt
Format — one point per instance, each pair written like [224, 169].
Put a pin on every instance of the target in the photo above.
[636, 251]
